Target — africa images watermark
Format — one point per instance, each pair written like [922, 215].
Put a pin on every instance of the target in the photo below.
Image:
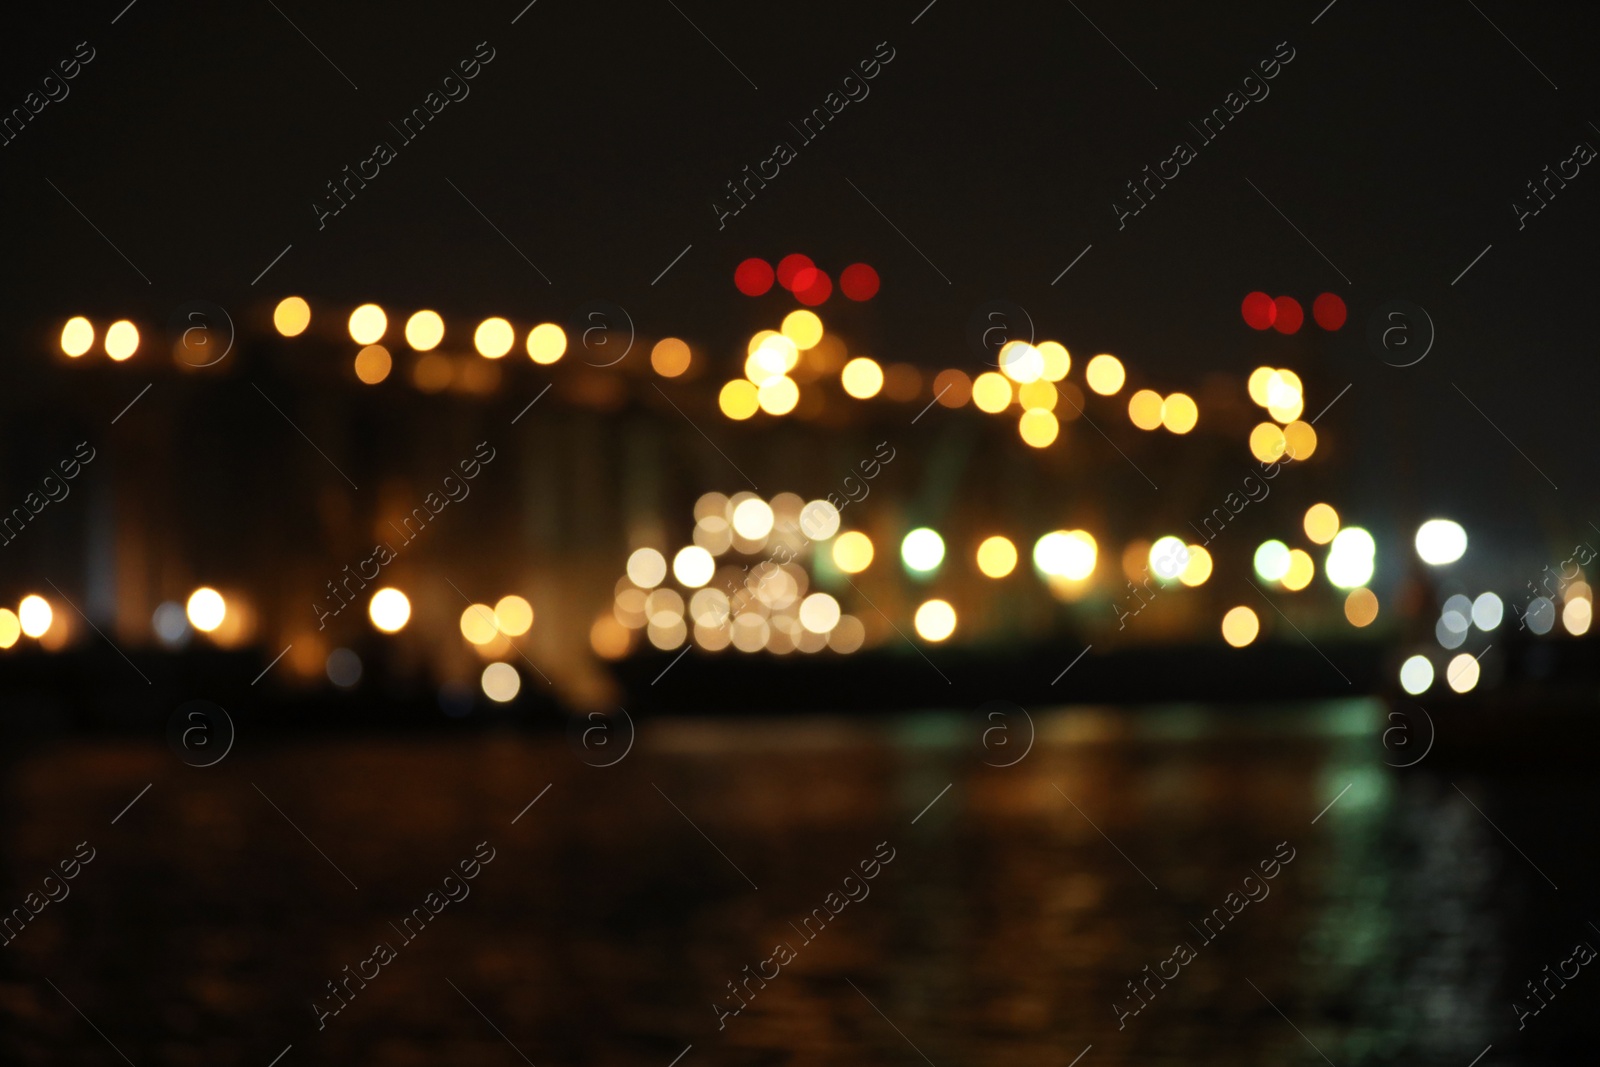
[1210, 128]
[55, 90]
[783, 153]
[411, 126]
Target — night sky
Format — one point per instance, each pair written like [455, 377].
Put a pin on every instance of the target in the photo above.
[996, 141]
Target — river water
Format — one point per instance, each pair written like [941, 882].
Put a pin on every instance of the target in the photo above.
[1009, 908]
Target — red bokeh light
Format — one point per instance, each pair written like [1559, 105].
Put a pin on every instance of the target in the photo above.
[1258, 310]
[1290, 315]
[858, 282]
[1329, 311]
[791, 265]
[753, 277]
[812, 286]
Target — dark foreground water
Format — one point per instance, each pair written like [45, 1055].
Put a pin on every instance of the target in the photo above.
[1002, 924]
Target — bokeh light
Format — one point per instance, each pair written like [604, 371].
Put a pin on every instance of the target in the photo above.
[493, 338]
[291, 317]
[1329, 311]
[368, 324]
[1021, 362]
[991, 392]
[778, 395]
[1179, 413]
[1240, 626]
[1321, 523]
[1038, 428]
[1267, 442]
[753, 518]
[1299, 440]
[1105, 374]
[1259, 310]
[1198, 568]
[858, 281]
[935, 620]
[1487, 611]
[424, 331]
[1300, 571]
[389, 610]
[547, 343]
[1361, 607]
[513, 615]
[501, 682]
[1271, 561]
[693, 566]
[1169, 558]
[1416, 675]
[819, 613]
[1461, 674]
[1441, 541]
[1290, 315]
[802, 327]
[478, 625]
[1351, 555]
[10, 628]
[373, 364]
[739, 399]
[122, 340]
[1576, 615]
[1069, 554]
[922, 550]
[862, 377]
[34, 615]
[647, 568]
[1144, 409]
[753, 277]
[852, 552]
[205, 609]
[670, 357]
[77, 336]
[1057, 360]
[997, 556]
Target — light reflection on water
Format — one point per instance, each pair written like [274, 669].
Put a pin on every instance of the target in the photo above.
[1004, 929]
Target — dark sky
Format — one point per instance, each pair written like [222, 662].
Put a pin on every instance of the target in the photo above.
[996, 140]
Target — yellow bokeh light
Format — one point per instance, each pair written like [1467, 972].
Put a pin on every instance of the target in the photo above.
[1361, 607]
[991, 392]
[477, 624]
[770, 359]
[609, 638]
[1057, 360]
[1289, 378]
[802, 327]
[935, 620]
[1240, 626]
[1144, 409]
[1301, 570]
[693, 566]
[1037, 395]
[206, 609]
[1198, 569]
[862, 377]
[501, 683]
[424, 331]
[367, 324]
[1285, 402]
[1105, 374]
[778, 395]
[738, 399]
[1069, 554]
[852, 552]
[1021, 362]
[547, 343]
[1258, 385]
[997, 556]
[1321, 523]
[670, 357]
[10, 628]
[34, 615]
[493, 338]
[759, 338]
[1179, 413]
[373, 364]
[1299, 440]
[513, 615]
[122, 340]
[1038, 428]
[389, 610]
[1266, 442]
[291, 316]
[77, 337]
